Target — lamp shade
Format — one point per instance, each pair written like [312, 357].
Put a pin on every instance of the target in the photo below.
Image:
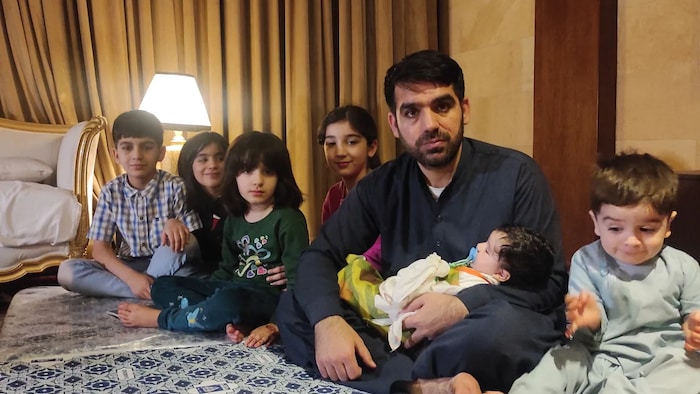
[176, 101]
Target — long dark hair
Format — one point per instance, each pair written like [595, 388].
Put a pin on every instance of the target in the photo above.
[195, 192]
[246, 153]
[360, 121]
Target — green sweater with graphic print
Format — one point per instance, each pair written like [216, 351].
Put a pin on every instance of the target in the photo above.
[251, 249]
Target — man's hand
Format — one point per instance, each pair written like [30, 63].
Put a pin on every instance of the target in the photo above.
[582, 311]
[337, 345]
[277, 277]
[140, 284]
[435, 313]
[175, 234]
[691, 330]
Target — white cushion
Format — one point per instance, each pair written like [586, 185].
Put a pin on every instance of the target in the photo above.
[65, 168]
[25, 169]
[34, 214]
[40, 146]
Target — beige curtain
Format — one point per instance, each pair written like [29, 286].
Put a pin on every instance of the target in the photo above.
[47, 67]
[269, 65]
[373, 35]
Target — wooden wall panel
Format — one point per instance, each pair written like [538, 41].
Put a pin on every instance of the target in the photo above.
[684, 232]
[574, 103]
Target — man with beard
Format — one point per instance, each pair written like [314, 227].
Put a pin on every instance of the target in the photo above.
[443, 195]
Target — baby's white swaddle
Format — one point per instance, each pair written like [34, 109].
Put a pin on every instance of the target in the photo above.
[422, 276]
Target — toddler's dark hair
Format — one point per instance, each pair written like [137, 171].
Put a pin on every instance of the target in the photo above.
[630, 178]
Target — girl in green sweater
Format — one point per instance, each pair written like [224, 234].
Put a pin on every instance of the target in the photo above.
[264, 230]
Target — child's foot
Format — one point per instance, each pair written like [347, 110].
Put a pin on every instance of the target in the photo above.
[462, 383]
[234, 333]
[137, 315]
[266, 335]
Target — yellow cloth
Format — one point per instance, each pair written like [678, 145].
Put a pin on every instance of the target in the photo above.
[380, 302]
[359, 283]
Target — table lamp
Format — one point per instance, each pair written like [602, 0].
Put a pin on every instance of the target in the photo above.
[176, 101]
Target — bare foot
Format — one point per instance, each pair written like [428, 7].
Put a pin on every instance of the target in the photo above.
[264, 335]
[137, 315]
[462, 383]
[234, 333]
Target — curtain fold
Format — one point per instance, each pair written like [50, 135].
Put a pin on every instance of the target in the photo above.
[269, 65]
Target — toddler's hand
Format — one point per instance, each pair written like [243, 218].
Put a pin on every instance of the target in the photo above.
[691, 330]
[582, 311]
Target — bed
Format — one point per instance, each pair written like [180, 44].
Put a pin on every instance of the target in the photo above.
[46, 182]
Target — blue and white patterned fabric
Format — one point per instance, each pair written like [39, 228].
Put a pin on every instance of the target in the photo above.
[222, 368]
[55, 341]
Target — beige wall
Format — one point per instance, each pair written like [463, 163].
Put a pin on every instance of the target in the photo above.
[658, 97]
[493, 41]
[658, 82]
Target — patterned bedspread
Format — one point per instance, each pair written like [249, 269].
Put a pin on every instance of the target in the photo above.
[54, 341]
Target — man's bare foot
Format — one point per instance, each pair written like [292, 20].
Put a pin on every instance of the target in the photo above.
[234, 333]
[462, 383]
[137, 315]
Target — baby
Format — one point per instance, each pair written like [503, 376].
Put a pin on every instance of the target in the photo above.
[512, 255]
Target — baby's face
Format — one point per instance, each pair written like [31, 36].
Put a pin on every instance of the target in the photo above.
[631, 234]
[487, 253]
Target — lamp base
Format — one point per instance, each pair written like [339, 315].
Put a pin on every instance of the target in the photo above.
[178, 138]
[169, 162]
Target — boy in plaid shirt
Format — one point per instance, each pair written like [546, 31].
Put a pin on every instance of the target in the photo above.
[146, 207]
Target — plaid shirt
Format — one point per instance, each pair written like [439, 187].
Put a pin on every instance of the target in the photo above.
[140, 215]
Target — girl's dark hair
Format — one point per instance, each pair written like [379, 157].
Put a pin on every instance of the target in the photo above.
[527, 256]
[195, 192]
[246, 153]
[360, 120]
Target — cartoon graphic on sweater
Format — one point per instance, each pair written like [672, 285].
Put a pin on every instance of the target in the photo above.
[250, 260]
